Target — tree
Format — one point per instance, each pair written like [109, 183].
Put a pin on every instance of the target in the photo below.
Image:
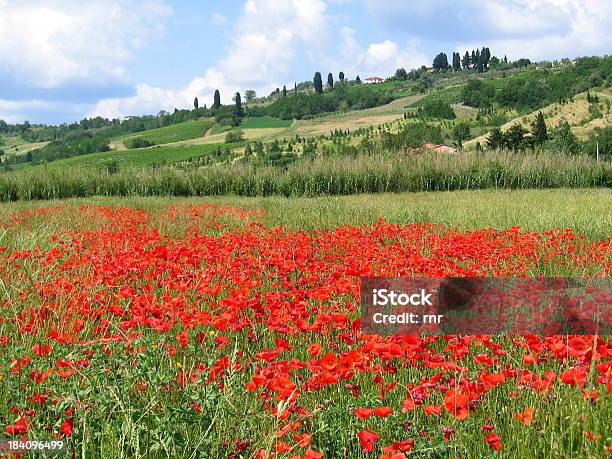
[295, 92]
[461, 132]
[465, 63]
[440, 62]
[480, 64]
[195, 103]
[515, 137]
[238, 101]
[505, 59]
[495, 140]
[473, 60]
[357, 80]
[538, 130]
[456, 62]
[250, 95]
[217, 99]
[487, 56]
[318, 83]
[341, 76]
[401, 74]
[563, 140]
[284, 91]
[330, 81]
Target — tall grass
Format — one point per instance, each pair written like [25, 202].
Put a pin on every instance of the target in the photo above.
[318, 177]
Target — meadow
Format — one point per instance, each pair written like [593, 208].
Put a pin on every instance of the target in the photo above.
[227, 327]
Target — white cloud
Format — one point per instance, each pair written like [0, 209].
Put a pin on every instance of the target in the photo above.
[381, 59]
[16, 111]
[46, 43]
[150, 99]
[589, 33]
[260, 56]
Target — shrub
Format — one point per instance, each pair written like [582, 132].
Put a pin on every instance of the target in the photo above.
[437, 109]
[138, 142]
[235, 135]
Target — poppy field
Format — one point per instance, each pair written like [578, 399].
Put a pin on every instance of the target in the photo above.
[196, 330]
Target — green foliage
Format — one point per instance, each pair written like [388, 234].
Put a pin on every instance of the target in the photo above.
[461, 132]
[514, 138]
[330, 81]
[217, 99]
[138, 142]
[478, 93]
[495, 140]
[308, 105]
[437, 109]
[564, 140]
[603, 138]
[235, 135]
[440, 62]
[412, 135]
[250, 95]
[80, 143]
[318, 83]
[539, 130]
[401, 74]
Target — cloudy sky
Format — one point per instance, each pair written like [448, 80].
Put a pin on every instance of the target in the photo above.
[62, 60]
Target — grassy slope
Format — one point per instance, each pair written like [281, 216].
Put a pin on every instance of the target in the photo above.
[141, 157]
[575, 112]
[587, 211]
[173, 133]
[15, 145]
[265, 122]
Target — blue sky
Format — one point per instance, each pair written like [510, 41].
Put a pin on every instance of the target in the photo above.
[62, 60]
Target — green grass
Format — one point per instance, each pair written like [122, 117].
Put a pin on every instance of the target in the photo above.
[137, 158]
[452, 95]
[265, 122]
[535, 210]
[174, 133]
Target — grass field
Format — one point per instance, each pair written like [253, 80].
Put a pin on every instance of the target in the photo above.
[174, 133]
[164, 327]
[535, 210]
[265, 122]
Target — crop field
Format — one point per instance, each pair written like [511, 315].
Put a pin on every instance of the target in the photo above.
[265, 122]
[174, 133]
[229, 327]
[136, 158]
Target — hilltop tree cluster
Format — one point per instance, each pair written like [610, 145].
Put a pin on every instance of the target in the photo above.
[478, 60]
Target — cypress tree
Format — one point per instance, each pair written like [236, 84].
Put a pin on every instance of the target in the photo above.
[466, 60]
[318, 83]
[217, 99]
[330, 81]
[195, 103]
[238, 101]
[538, 129]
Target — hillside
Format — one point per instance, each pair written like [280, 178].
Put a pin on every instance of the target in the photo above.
[459, 109]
